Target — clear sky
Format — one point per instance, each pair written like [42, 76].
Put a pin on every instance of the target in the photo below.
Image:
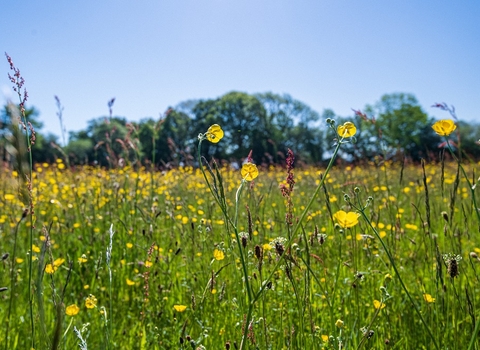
[152, 54]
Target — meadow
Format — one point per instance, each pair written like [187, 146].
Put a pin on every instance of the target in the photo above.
[382, 255]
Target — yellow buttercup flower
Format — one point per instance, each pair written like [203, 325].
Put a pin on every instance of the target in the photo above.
[347, 130]
[346, 220]
[428, 298]
[9, 197]
[58, 262]
[72, 310]
[378, 304]
[249, 171]
[179, 308]
[218, 254]
[444, 127]
[51, 268]
[214, 133]
[91, 301]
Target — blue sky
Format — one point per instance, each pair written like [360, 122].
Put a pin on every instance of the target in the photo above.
[153, 54]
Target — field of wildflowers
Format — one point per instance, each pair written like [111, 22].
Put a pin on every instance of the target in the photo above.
[383, 255]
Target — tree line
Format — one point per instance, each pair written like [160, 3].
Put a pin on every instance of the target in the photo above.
[267, 124]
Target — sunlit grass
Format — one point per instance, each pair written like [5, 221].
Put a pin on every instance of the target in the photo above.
[176, 270]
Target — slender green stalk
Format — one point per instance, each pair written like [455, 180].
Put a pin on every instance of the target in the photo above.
[254, 297]
[474, 335]
[470, 187]
[290, 241]
[12, 283]
[18, 82]
[302, 217]
[108, 260]
[233, 224]
[361, 210]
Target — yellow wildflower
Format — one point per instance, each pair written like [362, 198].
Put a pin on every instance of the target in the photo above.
[218, 254]
[428, 298]
[58, 262]
[9, 197]
[346, 220]
[50, 269]
[249, 171]
[91, 301]
[339, 323]
[179, 308]
[378, 304]
[214, 133]
[444, 127]
[72, 310]
[347, 130]
[130, 282]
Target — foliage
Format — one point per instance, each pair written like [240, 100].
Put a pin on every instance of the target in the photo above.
[266, 123]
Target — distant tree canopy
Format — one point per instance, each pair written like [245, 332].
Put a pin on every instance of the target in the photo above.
[267, 124]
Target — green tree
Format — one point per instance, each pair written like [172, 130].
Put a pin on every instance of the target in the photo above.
[13, 146]
[292, 124]
[243, 120]
[106, 141]
[402, 125]
[169, 140]
[469, 137]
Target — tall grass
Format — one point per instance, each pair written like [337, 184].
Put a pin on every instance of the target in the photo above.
[163, 255]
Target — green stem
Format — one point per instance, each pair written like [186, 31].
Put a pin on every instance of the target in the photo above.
[12, 283]
[470, 187]
[239, 244]
[31, 207]
[474, 335]
[302, 217]
[392, 262]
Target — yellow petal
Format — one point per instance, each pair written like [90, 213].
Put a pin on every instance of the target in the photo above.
[218, 254]
[214, 133]
[347, 130]
[444, 127]
[72, 310]
[378, 305]
[249, 171]
[179, 308]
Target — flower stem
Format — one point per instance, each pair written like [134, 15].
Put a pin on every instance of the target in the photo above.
[471, 188]
[361, 209]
